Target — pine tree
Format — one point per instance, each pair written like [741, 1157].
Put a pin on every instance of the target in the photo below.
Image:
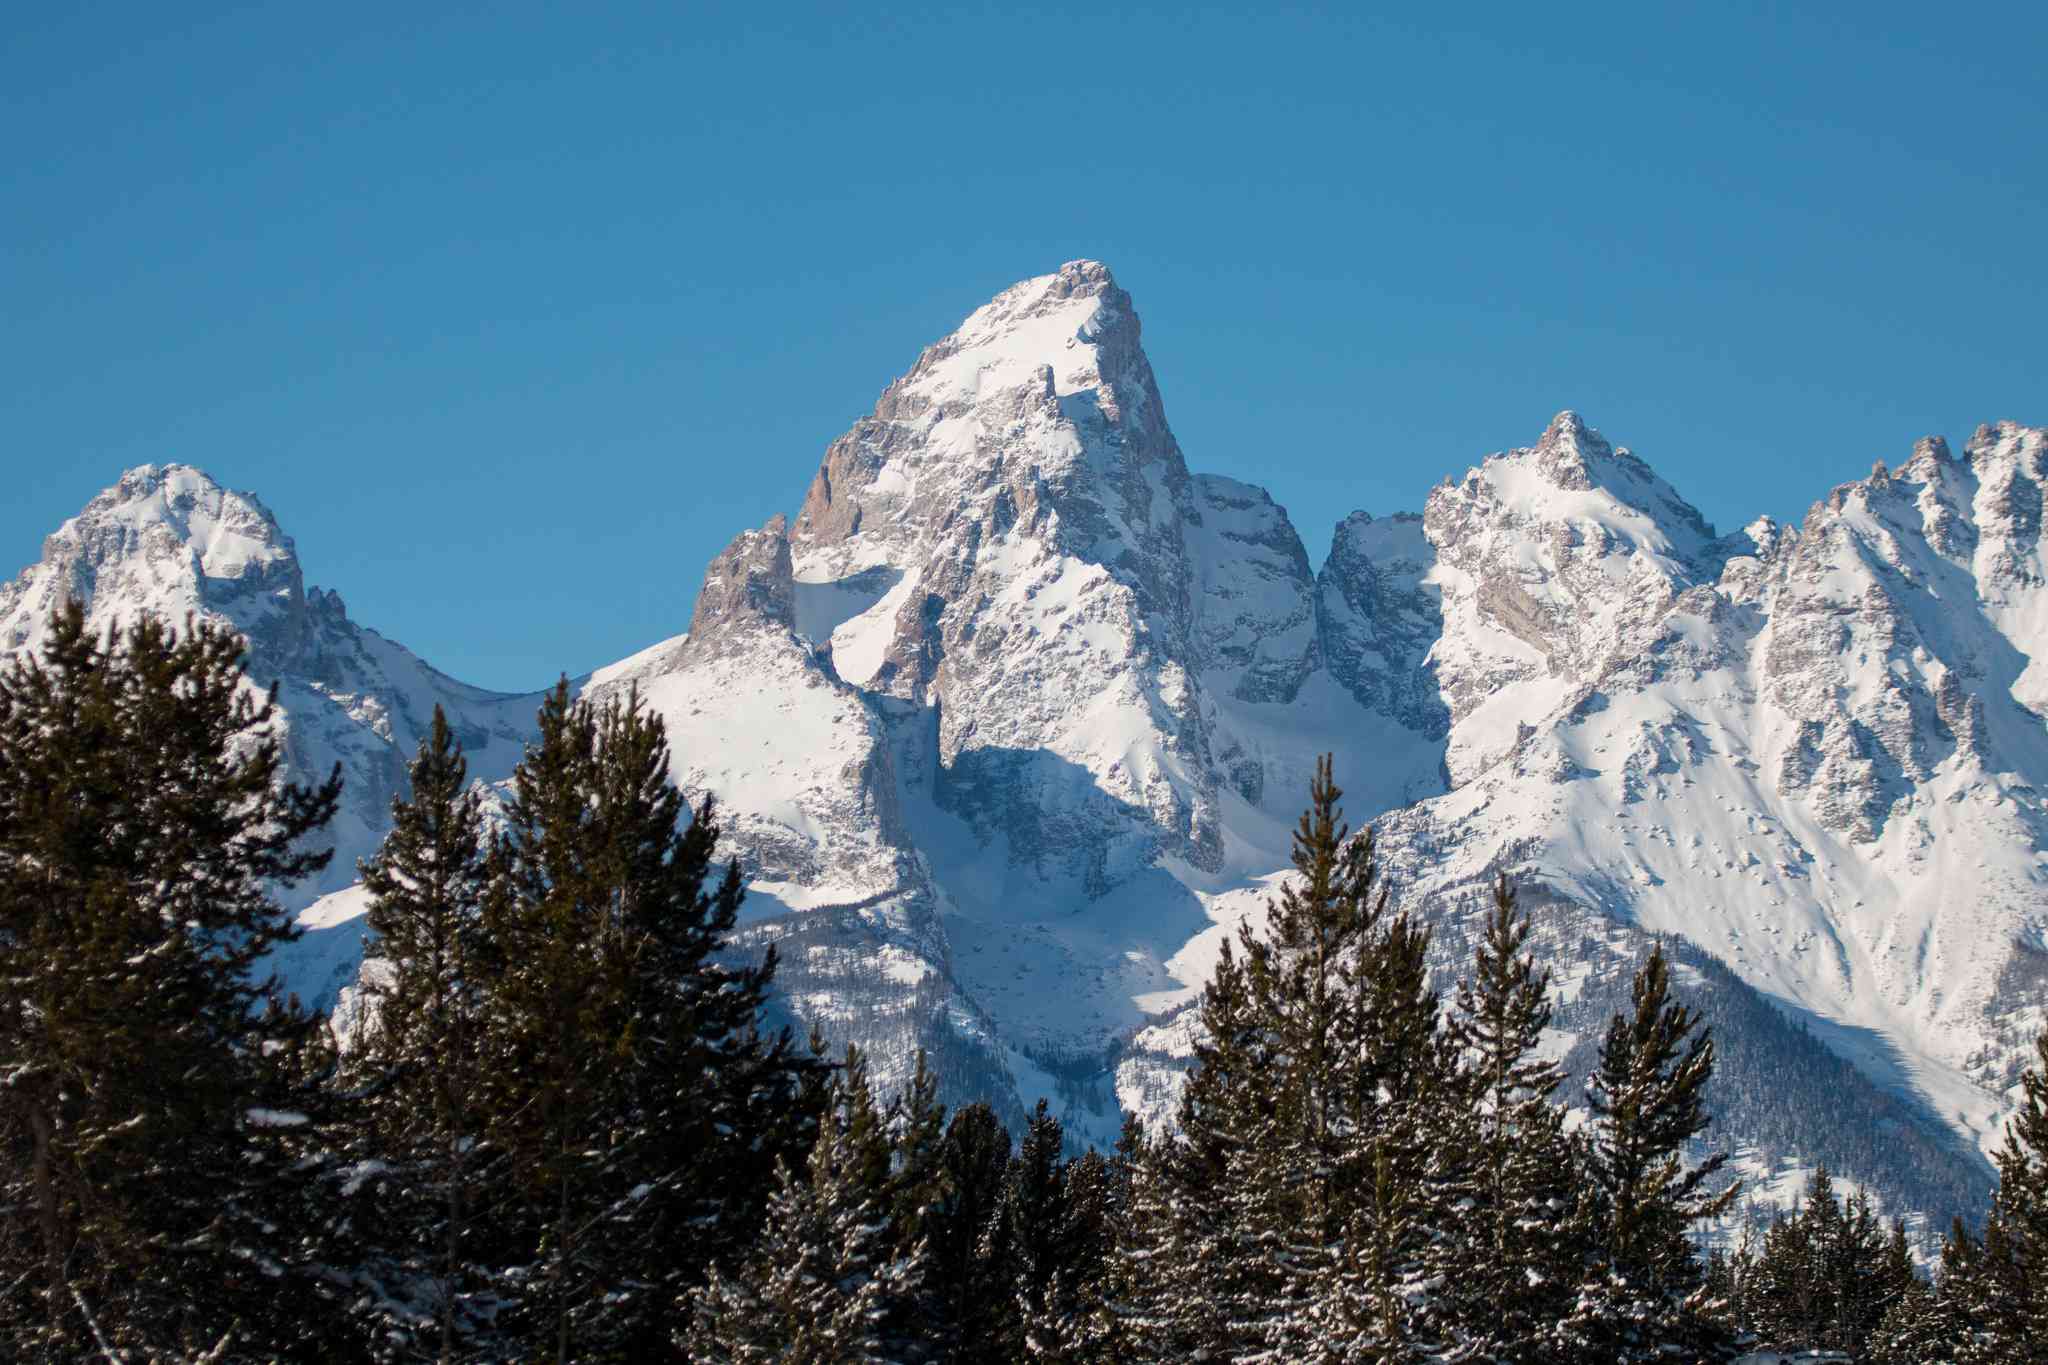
[1080, 1324]
[1037, 1197]
[1997, 1285]
[2022, 1208]
[1060, 1242]
[915, 1190]
[423, 1173]
[146, 1060]
[1340, 989]
[1785, 1291]
[1507, 1265]
[639, 1108]
[824, 1284]
[1916, 1330]
[1639, 1297]
[1192, 1280]
[967, 1299]
[1290, 1213]
[917, 1180]
[1926, 1324]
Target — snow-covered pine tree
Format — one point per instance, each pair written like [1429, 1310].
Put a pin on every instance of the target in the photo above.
[1787, 1286]
[824, 1283]
[917, 1125]
[1507, 1264]
[419, 1181]
[1188, 1276]
[1341, 1160]
[156, 1097]
[1868, 1270]
[1998, 1284]
[1064, 1242]
[1639, 1297]
[2022, 1200]
[1037, 1195]
[1827, 1273]
[632, 1092]
[1925, 1324]
[1289, 1214]
[1917, 1329]
[1088, 1327]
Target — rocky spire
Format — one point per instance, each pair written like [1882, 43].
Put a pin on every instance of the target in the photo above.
[749, 581]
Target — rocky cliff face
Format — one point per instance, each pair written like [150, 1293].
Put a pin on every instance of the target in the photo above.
[1022, 499]
[1010, 724]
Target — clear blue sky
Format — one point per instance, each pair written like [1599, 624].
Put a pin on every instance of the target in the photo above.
[515, 315]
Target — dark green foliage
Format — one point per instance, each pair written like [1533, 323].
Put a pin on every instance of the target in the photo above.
[639, 1109]
[1507, 1279]
[1641, 1291]
[969, 1232]
[1292, 1211]
[155, 1094]
[825, 1282]
[1825, 1277]
[1994, 1288]
[423, 1186]
[565, 1136]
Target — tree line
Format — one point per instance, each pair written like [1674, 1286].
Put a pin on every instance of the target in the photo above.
[559, 1129]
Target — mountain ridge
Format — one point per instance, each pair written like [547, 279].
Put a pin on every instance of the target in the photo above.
[1009, 722]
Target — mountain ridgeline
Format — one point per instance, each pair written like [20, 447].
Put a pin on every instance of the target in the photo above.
[1009, 724]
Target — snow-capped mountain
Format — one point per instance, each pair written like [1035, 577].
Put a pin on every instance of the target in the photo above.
[1011, 723]
[168, 541]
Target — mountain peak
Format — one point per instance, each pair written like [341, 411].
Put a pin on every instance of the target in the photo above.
[1568, 450]
[168, 539]
[1041, 390]
[1058, 321]
[232, 534]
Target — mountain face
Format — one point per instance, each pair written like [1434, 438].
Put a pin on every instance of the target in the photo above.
[1009, 727]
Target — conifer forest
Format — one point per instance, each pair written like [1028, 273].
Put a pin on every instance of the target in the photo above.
[559, 1125]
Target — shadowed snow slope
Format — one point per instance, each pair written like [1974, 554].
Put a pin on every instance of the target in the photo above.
[1010, 725]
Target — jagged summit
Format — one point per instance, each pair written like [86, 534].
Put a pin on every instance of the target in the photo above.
[170, 540]
[1574, 474]
[1037, 390]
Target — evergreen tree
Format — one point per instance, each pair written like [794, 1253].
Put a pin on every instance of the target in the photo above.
[1291, 1212]
[1916, 1330]
[1061, 1240]
[155, 1093]
[420, 1059]
[1037, 1197]
[1507, 1264]
[1335, 1193]
[1926, 1325]
[1998, 1285]
[968, 1243]
[2021, 1205]
[823, 1285]
[1639, 1298]
[1191, 1282]
[1785, 1284]
[1100, 1206]
[917, 1179]
[1827, 1273]
[640, 1109]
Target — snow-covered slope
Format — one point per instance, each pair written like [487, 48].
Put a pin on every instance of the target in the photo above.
[1010, 725]
[1813, 754]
